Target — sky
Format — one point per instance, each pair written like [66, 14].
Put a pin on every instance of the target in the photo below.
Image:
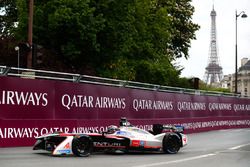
[195, 65]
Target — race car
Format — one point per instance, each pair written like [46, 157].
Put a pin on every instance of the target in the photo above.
[122, 139]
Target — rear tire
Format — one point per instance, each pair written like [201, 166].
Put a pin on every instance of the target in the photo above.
[171, 143]
[82, 146]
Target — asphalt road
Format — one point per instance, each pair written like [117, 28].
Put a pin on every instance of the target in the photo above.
[224, 148]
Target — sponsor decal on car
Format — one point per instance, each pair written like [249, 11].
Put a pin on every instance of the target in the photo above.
[184, 140]
[142, 143]
[124, 133]
[107, 144]
[138, 143]
[63, 151]
[67, 146]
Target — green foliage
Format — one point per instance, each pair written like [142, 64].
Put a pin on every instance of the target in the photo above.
[185, 83]
[8, 18]
[143, 34]
[129, 39]
[70, 28]
[225, 90]
[156, 73]
[23, 13]
[204, 86]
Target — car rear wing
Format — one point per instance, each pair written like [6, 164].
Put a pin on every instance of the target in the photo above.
[159, 128]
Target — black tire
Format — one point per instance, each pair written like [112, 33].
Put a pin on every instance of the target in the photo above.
[171, 143]
[82, 146]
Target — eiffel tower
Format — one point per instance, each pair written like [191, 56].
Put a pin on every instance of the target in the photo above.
[213, 73]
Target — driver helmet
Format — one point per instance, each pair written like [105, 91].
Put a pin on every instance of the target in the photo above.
[112, 128]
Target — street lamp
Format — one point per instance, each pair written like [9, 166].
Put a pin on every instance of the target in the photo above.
[243, 15]
[18, 57]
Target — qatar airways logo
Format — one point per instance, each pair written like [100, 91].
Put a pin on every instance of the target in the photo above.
[23, 98]
[83, 101]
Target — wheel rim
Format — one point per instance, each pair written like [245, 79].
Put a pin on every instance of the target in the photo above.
[173, 145]
[83, 147]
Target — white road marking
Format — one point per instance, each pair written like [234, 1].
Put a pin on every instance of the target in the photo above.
[190, 158]
[176, 161]
[237, 147]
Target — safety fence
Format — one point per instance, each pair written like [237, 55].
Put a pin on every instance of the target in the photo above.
[78, 78]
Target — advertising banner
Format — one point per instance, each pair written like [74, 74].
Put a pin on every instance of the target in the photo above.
[31, 107]
[23, 132]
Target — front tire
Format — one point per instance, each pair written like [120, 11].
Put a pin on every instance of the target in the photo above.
[171, 143]
[82, 146]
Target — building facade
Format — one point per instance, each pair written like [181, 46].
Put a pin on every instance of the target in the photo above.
[243, 79]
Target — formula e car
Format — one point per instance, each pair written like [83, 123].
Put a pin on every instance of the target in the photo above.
[126, 138]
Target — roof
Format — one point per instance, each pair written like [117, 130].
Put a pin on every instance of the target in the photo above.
[245, 67]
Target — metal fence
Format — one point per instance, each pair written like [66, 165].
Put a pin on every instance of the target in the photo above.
[78, 78]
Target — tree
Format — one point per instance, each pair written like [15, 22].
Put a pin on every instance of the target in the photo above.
[8, 18]
[129, 39]
[144, 37]
[68, 27]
